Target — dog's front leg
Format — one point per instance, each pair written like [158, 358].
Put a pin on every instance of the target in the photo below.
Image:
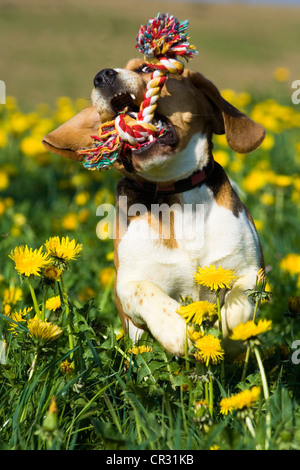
[238, 308]
[150, 308]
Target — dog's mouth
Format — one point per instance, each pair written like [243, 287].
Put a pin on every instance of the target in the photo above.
[167, 135]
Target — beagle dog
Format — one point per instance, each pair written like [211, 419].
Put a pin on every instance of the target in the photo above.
[155, 257]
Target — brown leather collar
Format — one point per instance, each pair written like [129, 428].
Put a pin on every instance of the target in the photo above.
[196, 179]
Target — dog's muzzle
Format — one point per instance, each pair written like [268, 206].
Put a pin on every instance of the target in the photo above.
[105, 78]
[106, 81]
[111, 87]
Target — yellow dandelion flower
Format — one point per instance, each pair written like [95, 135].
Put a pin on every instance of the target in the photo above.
[3, 138]
[282, 181]
[226, 405]
[18, 317]
[54, 303]
[110, 256]
[43, 330]
[6, 309]
[259, 225]
[267, 199]
[66, 367]
[221, 140]
[294, 304]
[2, 208]
[250, 329]
[52, 273]
[4, 180]
[194, 334]
[268, 143]
[120, 334]
[244, 399]
[198, 311]
[291, 263]
[82, 198]
[50, 421]
[106, 276]
[64, 249]
[209, 349]
[200, 404]
[222, 157]
[12, 295]
[70, 221]
[83, 215]
[86, 293]
[104, 196]
[254, 181]
[214, 278]
[140, 350]
[261, 278]
[19, 220]
[284, 351]
[53, 406]
[29, 262]
[281, 74]
[32, 146]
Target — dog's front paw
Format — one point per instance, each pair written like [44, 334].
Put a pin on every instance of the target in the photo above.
[173, 337]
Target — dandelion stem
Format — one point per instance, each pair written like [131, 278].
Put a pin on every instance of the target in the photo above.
[33, 366]
[31, 371]
[250, 426]
[44, 303]
[187, 365]
[255, 309]
[34, 299]
[221, 333]
[248, 347]
[211, 393]
[68, 316]
[169, 371]
[266, 395]
[206, 392]
[246, 364]
[262, 373]
[219, 313]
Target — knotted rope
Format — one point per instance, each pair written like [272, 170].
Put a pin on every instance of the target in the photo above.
[161, 41]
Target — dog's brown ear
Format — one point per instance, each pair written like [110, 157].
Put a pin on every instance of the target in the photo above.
[242, 133]
[74, 134]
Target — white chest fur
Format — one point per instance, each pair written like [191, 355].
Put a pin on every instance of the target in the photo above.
[205, 233]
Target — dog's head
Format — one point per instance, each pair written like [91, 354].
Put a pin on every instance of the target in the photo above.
[190, 107]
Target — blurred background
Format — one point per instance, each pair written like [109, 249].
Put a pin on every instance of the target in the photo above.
[53, 49]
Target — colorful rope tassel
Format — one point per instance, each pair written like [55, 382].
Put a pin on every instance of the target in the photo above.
[161, 41]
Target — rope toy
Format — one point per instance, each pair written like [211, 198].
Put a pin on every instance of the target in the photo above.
[161, 41]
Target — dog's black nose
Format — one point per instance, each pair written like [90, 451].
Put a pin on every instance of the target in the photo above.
[105, 78]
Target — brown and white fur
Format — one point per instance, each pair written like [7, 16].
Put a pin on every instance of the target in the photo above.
[154, 272]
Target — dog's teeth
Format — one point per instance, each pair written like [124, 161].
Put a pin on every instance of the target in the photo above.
[132, 96]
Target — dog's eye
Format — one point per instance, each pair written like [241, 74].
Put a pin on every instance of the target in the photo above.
[144, 69]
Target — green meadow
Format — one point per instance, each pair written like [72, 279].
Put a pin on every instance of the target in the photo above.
[70, 379]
